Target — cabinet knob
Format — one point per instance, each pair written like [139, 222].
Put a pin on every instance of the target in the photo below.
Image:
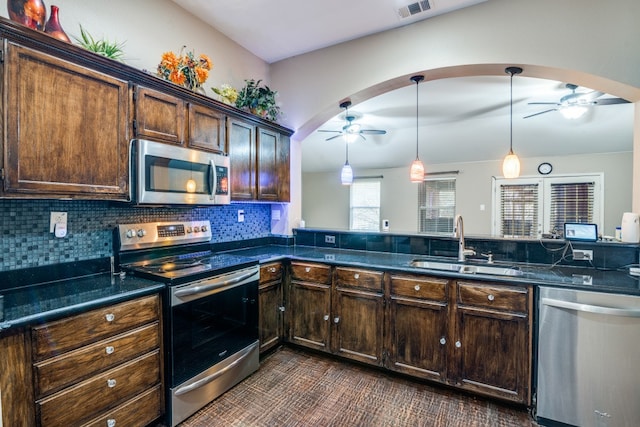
[111, 422]
[272, 269]
[111, 383]
[458, 344]
[491, 297]
[326, 317]
[110, 317]
[281, 308]
[307, 269]
[443, 340]
[109, 349]
[416, 287]
[356, 276]
[336, 320]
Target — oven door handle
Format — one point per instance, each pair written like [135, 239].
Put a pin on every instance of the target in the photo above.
[217, 285]
[206, 380]
[597, 309]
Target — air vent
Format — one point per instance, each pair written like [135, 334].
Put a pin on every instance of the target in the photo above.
[414, 8]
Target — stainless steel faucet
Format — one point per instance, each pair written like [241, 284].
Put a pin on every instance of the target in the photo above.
[458, 232]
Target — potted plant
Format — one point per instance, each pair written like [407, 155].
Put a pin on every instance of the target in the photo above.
[259, 100]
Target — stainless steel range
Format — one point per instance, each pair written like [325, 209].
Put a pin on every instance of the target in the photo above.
[210, 309]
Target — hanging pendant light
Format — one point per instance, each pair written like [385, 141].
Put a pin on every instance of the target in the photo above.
[416, 173]
[511, 163]
[346, 176]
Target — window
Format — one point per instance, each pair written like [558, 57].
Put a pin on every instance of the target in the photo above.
[365, 206]
[436, 205]
[529, 207]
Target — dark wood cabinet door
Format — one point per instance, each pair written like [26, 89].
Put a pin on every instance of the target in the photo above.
[16, 381]
[207, 129]
[271, 315]
[310, 310]
[267, 168]
[160, 116]
[242, 157]
[358, 319]
[66, 128]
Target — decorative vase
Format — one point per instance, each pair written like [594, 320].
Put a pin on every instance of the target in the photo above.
[31, 13]
[53, 27]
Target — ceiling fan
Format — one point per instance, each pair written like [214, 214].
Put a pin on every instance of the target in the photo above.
[351, 130]
[574, 105]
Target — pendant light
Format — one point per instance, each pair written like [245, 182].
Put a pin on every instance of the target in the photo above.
[511, 163]
[416, 172]
[346, 176]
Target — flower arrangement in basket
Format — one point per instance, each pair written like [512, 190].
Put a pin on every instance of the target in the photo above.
[185, 69]
[227, 93]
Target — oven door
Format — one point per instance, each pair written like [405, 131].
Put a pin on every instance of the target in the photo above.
[211, 320]
[168, 175]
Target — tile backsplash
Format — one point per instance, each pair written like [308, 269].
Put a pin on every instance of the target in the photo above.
[25, 240]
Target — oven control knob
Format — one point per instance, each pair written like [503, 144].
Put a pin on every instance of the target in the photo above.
[131, 233]
[203, 228]
[196, 229]
[142, 233]
[189, 230]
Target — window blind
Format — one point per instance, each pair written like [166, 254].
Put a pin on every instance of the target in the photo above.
[519, 210]
[571, 202]
[436, 205]
[365, 205]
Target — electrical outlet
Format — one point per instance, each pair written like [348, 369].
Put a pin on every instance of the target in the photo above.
[582, 255]
[241, 215]
[330, 239]
[57, 218]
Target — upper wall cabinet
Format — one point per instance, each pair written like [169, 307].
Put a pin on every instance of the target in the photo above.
[66, 128]
[168, 118]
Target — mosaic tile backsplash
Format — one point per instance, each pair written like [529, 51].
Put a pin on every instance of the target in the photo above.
[25, 240]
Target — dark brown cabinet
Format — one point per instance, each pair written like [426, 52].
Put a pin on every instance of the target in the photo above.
[167, 118]
[66, 129]
[271, 316]
[418, 327]
[259, 163]
[16, 384]
[493, 340]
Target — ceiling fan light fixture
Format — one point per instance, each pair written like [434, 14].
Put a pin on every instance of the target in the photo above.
[416, 172]
[511, 163]
[572, 112]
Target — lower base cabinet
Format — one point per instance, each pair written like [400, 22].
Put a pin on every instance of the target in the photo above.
[271, 306]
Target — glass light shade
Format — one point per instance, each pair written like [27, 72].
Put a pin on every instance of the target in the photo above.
[191, 185]
[346, 177]
[511, 166]
[350, 137]
[416, 172]
[573, 111]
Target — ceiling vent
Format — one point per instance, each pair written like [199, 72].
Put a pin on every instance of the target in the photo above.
[413, 9]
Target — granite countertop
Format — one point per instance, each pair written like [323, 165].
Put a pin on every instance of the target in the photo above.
[583, 278]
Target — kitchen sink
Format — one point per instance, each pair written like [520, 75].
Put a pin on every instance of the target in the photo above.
[466, 268]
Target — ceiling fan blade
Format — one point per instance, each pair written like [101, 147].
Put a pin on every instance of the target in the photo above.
[327, 130]
[541, 112]
[334, 137]
[373, 132]
[611, 101]
[543, 103]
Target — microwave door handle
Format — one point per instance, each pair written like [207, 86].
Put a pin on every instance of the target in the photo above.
[214, 177]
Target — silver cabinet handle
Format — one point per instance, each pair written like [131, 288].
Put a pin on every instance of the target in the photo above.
[272, 269]
[416, 287]
[111, 383]
[336, 320]
[326, 317]
[458, 344]
[307, 269]
[576, 306]
[491, 297]
[443, 340]
[356, 276]
[111, 422]
[109, 349]
[110, 317]
[281, 308]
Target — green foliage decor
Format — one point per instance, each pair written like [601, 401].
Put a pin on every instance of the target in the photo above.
[103, 47]
[259, 100]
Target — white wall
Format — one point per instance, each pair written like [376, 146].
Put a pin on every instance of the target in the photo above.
[326, 201]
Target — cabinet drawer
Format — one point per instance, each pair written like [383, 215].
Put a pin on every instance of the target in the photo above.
[419, 287]
[97, 394]
[270, 272]
[73, 332]
[54, 374]
[509, 298]
[137, 412]
[359, 278]
[309, 272]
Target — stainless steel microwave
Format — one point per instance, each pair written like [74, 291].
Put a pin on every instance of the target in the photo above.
[171, 175]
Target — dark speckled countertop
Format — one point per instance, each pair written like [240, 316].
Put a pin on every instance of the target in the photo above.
[583, 278]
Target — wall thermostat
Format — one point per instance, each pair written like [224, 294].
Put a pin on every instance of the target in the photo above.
[545, 168]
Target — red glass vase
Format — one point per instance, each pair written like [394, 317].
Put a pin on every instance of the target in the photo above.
[53, 27]
[31, 13]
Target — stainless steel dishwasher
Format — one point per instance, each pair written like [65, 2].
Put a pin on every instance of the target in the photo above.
[588, 359]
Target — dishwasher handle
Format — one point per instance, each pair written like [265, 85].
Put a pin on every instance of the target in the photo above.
[589, 308]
